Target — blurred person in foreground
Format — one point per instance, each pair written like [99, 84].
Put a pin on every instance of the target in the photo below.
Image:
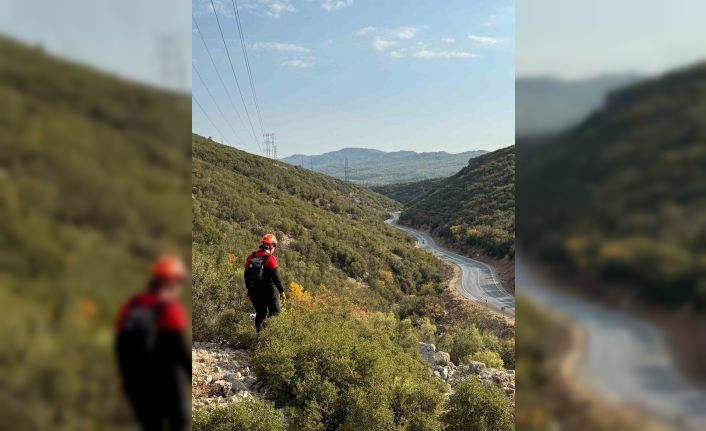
[152, 349]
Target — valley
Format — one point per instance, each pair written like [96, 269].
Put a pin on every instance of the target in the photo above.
[478, 281]
[611, 211]
[359, 292]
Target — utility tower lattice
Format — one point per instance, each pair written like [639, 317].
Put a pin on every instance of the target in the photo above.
[170, 61]
[346, 170]
[270, 147]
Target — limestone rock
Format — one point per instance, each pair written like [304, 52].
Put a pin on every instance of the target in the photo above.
[442, 358]
[427, 351]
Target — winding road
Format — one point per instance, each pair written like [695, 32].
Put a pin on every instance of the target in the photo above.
[626, 360]
[478, 281]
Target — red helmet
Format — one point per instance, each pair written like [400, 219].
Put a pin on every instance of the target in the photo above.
[269, 239]
[169, 268]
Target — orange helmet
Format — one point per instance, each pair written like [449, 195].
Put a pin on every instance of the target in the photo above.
[169, 268]
[269, 239]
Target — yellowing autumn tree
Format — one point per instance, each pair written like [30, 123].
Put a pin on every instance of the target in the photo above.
[298, 296]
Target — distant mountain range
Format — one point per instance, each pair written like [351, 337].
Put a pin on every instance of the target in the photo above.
[375, 167]
[546, 105]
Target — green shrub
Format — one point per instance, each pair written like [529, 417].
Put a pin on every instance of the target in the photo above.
[507, 353]
[339, 371]
[489, 358]
[475, 407]
[407, 332]
[249, 415]
[466, 342]
[236, 330]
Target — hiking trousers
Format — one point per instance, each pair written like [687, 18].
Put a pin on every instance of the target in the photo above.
[266, 305]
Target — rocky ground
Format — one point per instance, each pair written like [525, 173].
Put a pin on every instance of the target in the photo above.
[221, 376]
[444, 369]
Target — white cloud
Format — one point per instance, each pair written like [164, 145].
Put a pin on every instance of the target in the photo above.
[331, 5]
[383, 44]
[401, 33]
[278, 46]
[483, 40]
[398, 54]
[404, 33]
[449, 40]
[427, 53]
[365, 31]
[217, 6]
[276, 8]
[299, 62]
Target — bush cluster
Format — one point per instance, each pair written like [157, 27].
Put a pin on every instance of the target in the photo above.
[477, 407]
[468, 344]
[334, 370]
[247, 415]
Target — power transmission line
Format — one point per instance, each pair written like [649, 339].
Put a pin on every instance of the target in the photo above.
[247, 64]
[220, 78]
[209, 118]
[215, 102]
[232, 68]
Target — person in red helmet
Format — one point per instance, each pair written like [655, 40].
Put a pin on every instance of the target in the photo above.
[153, 355]
[262, 281]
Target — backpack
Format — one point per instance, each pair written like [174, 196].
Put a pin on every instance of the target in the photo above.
[137, 340]
[255, 272]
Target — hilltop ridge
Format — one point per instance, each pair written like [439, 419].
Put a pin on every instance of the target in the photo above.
[376, 167]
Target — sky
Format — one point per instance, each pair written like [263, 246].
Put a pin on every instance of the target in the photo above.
[122, 37]
[386, 74]
[577, 39]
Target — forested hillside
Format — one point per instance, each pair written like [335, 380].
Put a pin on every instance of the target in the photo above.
[375, 167]
[94, 183]
[621, 197]
[361, 296]
[330, 228]
[408, 192]
[474, 209]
